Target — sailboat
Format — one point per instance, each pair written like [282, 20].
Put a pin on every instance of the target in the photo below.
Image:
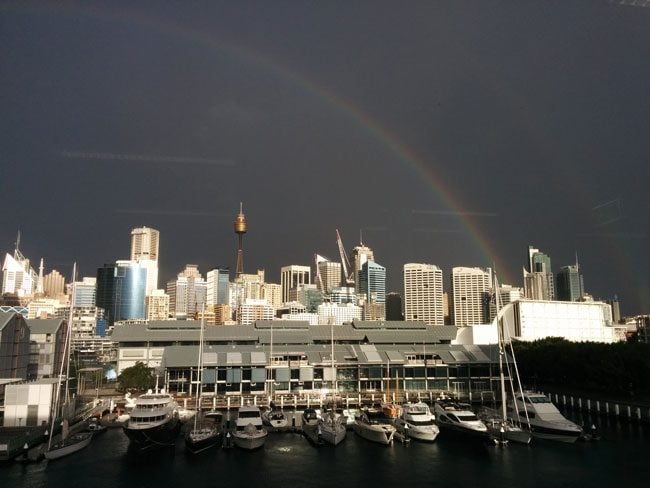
[389, 408]
[501, 427]
[202, 437]
[69, 443]
[332, 425]
[273, 417]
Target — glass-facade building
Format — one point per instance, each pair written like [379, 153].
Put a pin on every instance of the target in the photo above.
[569, 284]
[372, 282]
[121, 290]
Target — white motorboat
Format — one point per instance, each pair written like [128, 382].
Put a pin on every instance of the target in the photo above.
[333, 427]
[543, 418]
[458, 418]
[153, 421]
[417, 422]
[275, 418]
[249, 432]
[310, 419]
[372, 429]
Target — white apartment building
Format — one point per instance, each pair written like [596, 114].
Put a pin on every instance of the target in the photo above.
[469, 287]
[252, 310]
[423, 293]
[157, 305]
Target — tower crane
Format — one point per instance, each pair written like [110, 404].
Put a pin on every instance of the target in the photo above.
[345, 262]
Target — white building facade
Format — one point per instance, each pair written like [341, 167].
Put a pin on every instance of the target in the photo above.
[423, 293]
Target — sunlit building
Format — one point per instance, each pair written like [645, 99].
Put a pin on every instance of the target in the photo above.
[423, 293]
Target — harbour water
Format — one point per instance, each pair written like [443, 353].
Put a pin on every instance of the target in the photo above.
[289, 460]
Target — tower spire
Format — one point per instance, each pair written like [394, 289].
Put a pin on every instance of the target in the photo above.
[240, 229]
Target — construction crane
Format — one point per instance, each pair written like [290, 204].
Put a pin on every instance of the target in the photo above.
[319, 279]
[345, 262]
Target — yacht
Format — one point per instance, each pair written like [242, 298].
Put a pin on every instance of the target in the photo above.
[153, 421]
[310, 425]
[417, 422]
[333, 427]
[275, 419]
[455, 417]
[544, 420]
[371, 428]
[249, 433]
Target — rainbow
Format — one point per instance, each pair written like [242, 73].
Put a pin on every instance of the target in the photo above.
[362, 120]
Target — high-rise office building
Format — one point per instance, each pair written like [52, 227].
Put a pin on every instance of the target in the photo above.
[121, 291]
[360, 255]
[18, 277]
[469, 289]
[423, 293]
[372, 282]
[394, 306]
[217, 282]
[54, 284]
[187, 293]
[145, 242]
[329, 273]
[293, 276]
[570, 286]
[539, 282]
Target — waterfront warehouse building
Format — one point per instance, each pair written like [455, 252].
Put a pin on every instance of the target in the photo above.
[14, 345]
[296, 357]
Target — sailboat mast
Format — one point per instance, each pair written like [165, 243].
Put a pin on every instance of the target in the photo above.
[332, 359]
[199, 367]
[502, 379]
[65, 362]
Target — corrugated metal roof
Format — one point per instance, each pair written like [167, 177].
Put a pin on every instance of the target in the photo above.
[395, 356]
[388, 324]
[5, 317]
[186, 356]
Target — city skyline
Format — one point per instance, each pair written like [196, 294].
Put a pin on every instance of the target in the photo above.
[455, 134]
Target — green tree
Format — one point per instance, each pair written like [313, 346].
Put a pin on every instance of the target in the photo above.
[138, 377]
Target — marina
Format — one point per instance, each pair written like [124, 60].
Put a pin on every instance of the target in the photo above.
[289, 458]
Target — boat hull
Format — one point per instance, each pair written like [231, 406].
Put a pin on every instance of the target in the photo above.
[161, 435]
[249, 442]
[380, 433]
[333, 434]
[72, 444]
[196, 442]
[428, 434]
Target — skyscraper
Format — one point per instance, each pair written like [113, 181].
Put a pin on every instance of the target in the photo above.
[372, 282]
[144, 243]
[539, 283]
[329, 274]
[360, 254]
[121, 291]
[187, 293]
[144, 250]
[423, 293]
[570, 287]
[217, 282]
[292, 276]
[394, 306]
[469, 289]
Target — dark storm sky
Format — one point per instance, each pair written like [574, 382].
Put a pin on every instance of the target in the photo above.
[533, 116]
